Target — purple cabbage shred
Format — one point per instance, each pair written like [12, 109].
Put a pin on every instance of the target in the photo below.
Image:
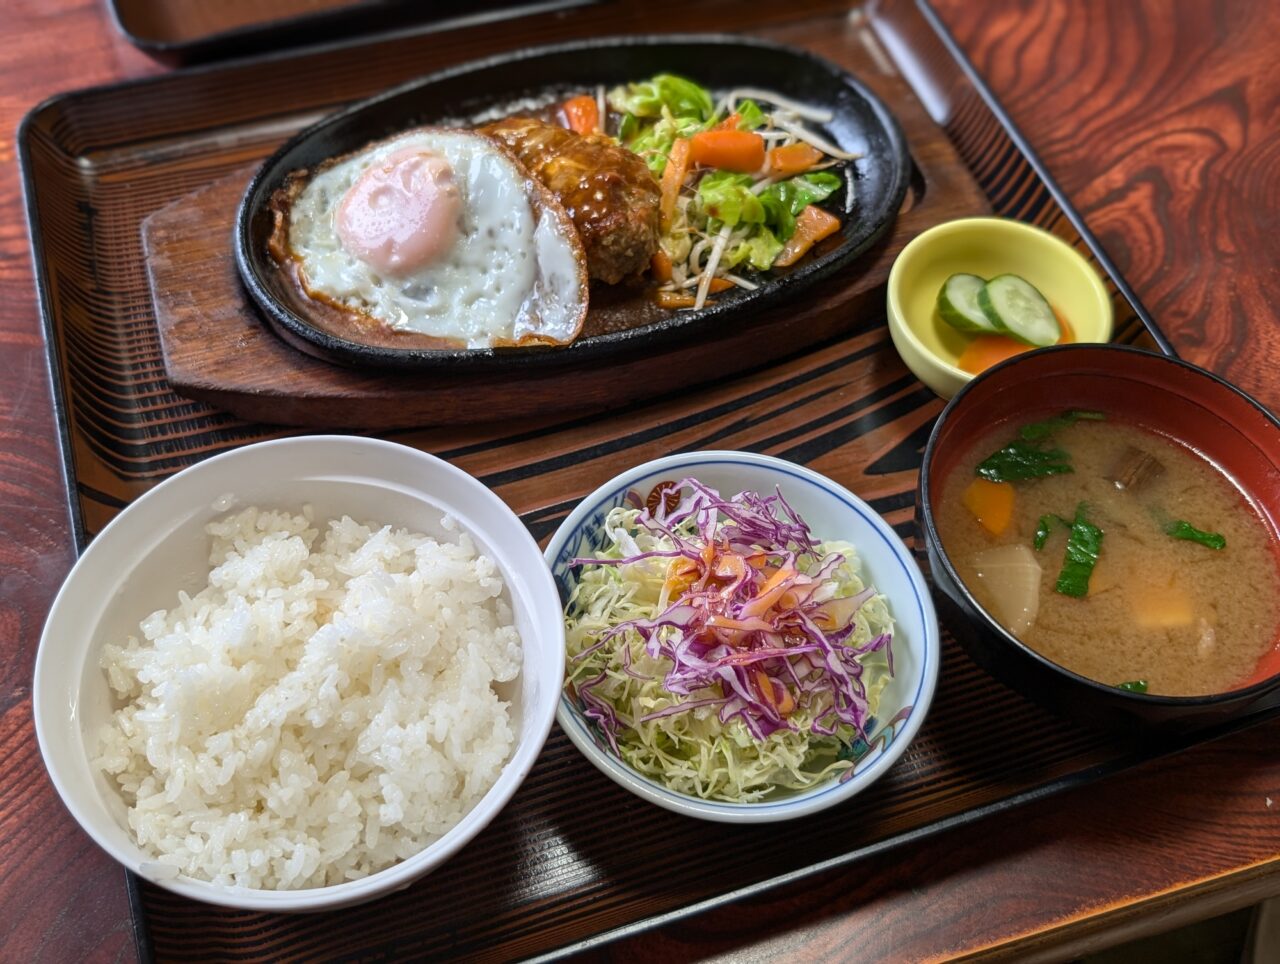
[748, 624]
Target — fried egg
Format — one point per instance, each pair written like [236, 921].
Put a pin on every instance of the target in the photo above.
[436, 233]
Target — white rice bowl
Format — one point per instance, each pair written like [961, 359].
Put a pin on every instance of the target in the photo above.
[159, 547]
[323, 709]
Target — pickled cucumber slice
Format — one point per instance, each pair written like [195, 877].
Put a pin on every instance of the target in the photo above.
[1014, 306]
[958, 304]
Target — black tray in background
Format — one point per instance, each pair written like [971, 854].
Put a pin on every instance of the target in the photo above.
[186, 31]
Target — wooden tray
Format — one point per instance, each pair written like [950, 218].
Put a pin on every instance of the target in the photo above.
[217, 348]
[574, 860]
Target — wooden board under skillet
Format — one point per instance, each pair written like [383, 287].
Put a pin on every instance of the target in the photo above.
[219, 347]
[574, 857]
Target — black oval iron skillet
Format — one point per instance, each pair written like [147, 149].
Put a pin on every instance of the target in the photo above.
[621, 322]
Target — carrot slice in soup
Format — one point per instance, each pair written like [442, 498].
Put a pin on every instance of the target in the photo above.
[991, 504]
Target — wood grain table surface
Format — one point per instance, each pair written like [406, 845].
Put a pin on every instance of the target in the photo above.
[1161, 120]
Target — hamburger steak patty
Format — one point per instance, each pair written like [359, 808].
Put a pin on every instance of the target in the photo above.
[609, 192]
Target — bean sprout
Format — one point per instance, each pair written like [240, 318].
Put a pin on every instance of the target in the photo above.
[819, 115]
[814, 140]
[709, 272]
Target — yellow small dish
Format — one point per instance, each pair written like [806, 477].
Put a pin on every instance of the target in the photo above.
[986, 247]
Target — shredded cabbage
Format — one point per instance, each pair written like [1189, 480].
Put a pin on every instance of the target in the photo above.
[721, 650]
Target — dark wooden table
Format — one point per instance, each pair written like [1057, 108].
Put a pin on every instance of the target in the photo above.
[1162, 122]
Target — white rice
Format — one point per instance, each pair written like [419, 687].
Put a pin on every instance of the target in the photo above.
[324, 708]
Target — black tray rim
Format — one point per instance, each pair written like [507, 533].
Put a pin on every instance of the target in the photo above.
[142, 937]
[673, 329]
[1144, 754]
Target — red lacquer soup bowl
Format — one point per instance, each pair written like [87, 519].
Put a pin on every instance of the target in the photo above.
[1161, 393]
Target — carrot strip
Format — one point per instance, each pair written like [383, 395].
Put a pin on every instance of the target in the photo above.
[764, 687]
[792, 159]
[682, 299]
[728, 150]
[676, 299]
[730, 123]
[660, 266]
[582, 114]
[673, 176]
[812, 226]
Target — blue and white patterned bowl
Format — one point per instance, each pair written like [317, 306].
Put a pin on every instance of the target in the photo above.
[832, 512]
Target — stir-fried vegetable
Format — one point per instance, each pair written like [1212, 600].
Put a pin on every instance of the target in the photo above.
[792, 159]
[661, 96]
[721, 649]
[672, 181]
[740, 178]
[728, 150]
[812, 226]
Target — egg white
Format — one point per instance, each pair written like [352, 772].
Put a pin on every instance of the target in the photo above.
[510, 274]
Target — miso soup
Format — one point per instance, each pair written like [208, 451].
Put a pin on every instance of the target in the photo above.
[1115, 552]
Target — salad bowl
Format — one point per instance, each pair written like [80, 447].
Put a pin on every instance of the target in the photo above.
[832, 513]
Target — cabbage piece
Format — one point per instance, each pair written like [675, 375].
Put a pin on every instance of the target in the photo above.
[656, 112]
[653, 141]
[777, 214]
[726, 197]
[750, 115]
[664, 93]
[786, 199]
[758, 249]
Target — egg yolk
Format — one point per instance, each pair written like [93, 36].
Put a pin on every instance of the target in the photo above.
[402, 213]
